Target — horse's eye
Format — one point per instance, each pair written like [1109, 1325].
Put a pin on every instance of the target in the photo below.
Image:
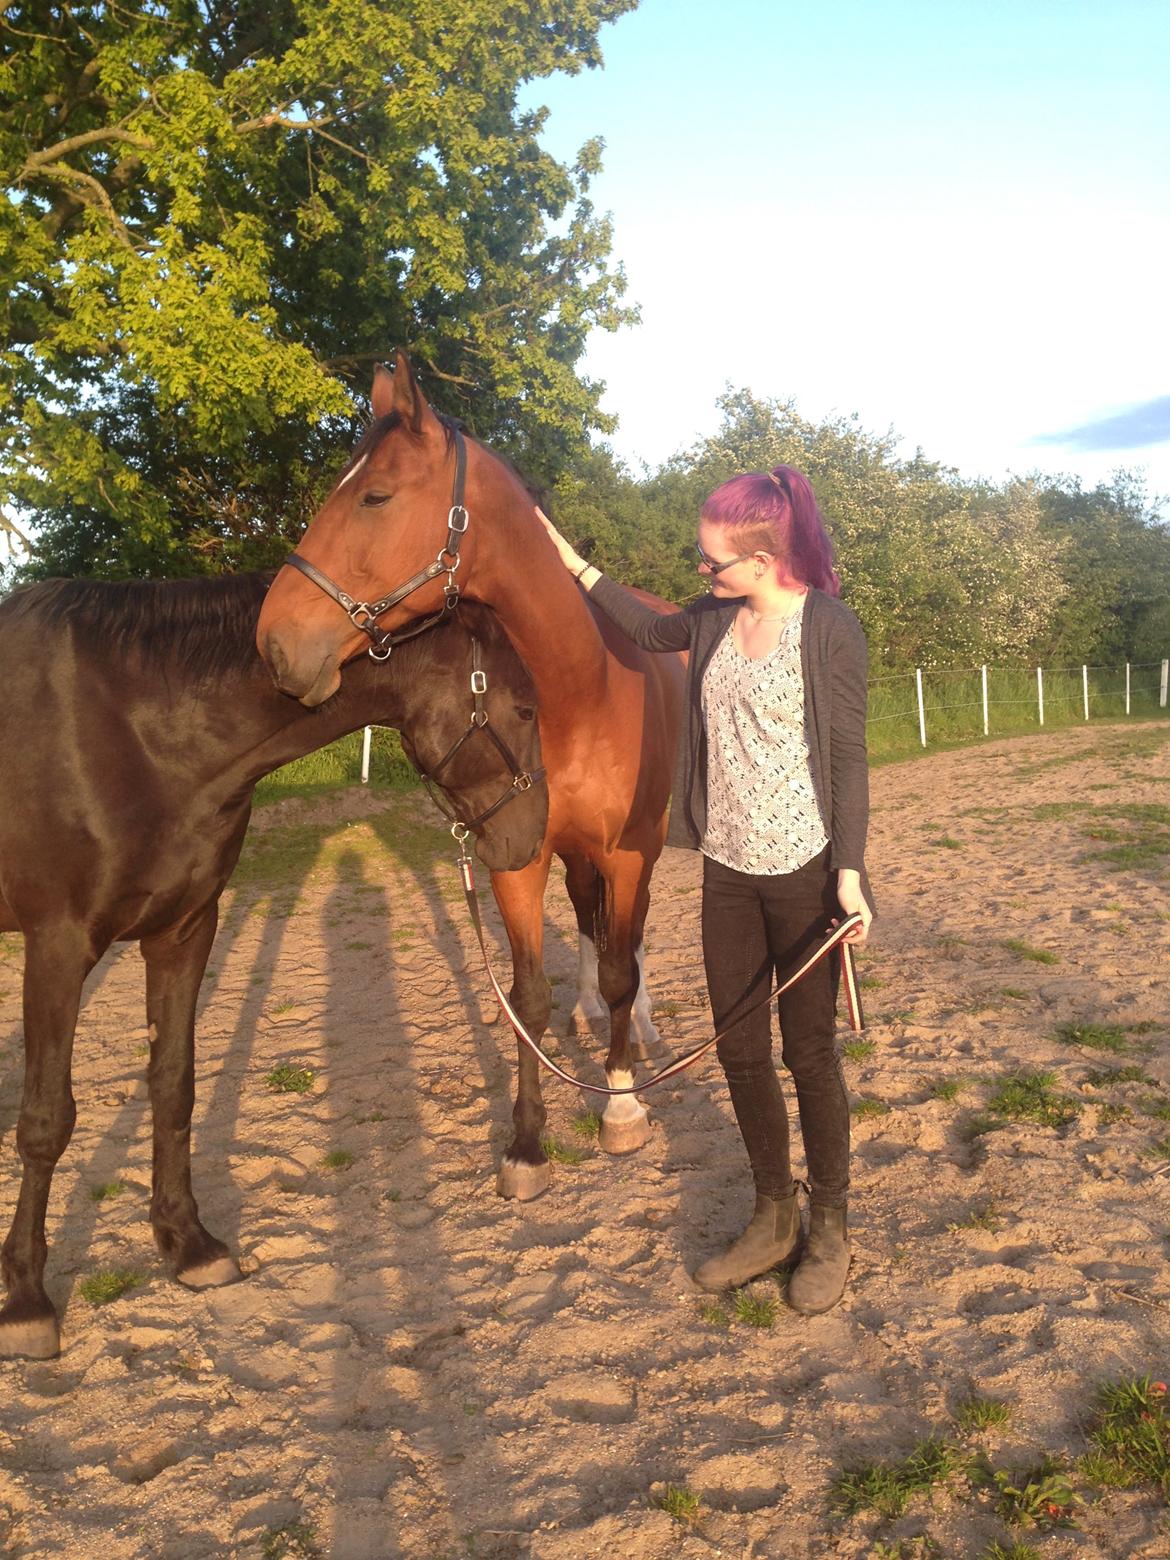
[525, 711]
[375, 500]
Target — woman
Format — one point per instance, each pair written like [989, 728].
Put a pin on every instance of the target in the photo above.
[771, 786]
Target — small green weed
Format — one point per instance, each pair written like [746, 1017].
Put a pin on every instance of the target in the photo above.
[337, 1159]
[1095, 1037]
[1015, 993]
[982, 1218]
[1105, 1077]
[980, 1413]
[107, 1191]
[562, 1153]
[979, 1125]
[1025, 950]
[946, 842]
[667, 1009]
[1155, 1107]
[1130, 1436]
[1040, 1497]
[284, 1007]
[865, 1108]
[1030, 1096]
[857, 1050]
[1160, 1149]
[944, 1088]
[587, 1125]
[751, 1311]
[714, 1315]
[289, 1079]
[108, 1284]
[1009, 1551]
[1109, 1114]
[293, 1541]
[679, 1502]
[920, 1547]
[887, 1487]
[871, 983]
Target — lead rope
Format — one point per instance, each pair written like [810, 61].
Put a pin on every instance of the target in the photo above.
[835, 939]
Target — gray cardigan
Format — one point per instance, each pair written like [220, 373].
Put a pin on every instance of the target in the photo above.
[833, 658]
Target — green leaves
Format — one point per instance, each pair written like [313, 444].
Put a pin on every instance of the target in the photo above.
[215, 222]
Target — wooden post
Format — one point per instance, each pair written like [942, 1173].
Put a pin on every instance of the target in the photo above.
[1163, 685]
[1127, 687]
[921, 706]
[366, 755]
[1040, 691]
[1085, 686]
[984, 700]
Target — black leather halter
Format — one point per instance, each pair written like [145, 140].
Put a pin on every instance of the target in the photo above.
[365, 614]
[522, 780]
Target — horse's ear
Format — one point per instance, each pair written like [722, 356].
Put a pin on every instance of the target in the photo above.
[399, 392]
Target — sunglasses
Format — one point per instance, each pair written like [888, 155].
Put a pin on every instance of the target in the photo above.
[718, 568]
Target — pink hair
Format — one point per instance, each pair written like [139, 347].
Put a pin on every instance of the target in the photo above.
[776, 512]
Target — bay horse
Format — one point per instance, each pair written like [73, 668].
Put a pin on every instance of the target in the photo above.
[608, 711]
[135, 721]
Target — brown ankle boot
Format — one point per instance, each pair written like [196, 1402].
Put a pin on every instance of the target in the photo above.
[819, 1281]
[773, 1237]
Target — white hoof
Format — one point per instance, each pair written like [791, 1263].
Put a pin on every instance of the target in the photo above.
[623, 1137]
[522, 1181]
[37, 1339]
[210, 1275]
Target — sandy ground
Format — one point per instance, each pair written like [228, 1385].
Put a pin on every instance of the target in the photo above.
[416, 1368]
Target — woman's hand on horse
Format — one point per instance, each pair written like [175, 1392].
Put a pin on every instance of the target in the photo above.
[569, 558]
[852, 901]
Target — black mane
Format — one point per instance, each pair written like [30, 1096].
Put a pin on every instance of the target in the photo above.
[206, 626]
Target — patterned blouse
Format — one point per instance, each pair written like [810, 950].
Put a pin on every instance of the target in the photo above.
[762, 810]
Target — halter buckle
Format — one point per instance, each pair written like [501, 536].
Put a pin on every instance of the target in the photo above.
[457, 512]
[380, 650]
[522, 783]
[478, 682]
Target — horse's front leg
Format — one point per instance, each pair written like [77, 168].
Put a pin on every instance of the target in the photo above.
[525, 1171]
[625, 1125]
[175, 962]
[56, 962]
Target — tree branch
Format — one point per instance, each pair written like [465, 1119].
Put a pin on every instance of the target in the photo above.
[35, 161]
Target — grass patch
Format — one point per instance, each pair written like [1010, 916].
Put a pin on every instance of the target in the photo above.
[946, 842]
[1106, 1077]
[871, 983]
[980, 1413]
[1095, 1037]
[289, 1079]
[108, 1284]
[1025, 950]
[1110, 1113]
[107, 1191]
[293, 1541]
[1009, 1551]
[1014, 993]
[858, 1050]
[986, 1217]
[887, 1487]
[337, 1159]
[561, 1153]
[587, 1124]
[1130, 1436]
[1030, 1096]
[865, 1108]
[679, 1502]
[944, 1088]
[1160, 1149]
[752, 1312]
[714, 1315]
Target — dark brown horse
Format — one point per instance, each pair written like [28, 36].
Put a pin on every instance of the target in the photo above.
[135, 722]
[608, 711]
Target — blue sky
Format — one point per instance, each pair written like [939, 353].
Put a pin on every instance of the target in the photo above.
[950, 219]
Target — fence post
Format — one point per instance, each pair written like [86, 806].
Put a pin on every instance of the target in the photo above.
[985, 700]
[1163, 685]
[921, 706]
[1040, 691]
[1085, 685]
[1127, 687]
[366, 756]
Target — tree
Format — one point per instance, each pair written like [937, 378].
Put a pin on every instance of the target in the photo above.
[220, 215]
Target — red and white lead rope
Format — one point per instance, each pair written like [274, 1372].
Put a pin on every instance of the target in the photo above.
[834, 940]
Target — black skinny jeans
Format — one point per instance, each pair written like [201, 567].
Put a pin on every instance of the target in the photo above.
[755, 926]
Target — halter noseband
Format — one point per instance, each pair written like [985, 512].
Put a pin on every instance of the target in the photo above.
[522, 780]
[365, 614]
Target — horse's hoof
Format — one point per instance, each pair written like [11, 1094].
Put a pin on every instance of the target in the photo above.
[35, 1338]
[210, 1275]
[523, 1181]
[624, 1137]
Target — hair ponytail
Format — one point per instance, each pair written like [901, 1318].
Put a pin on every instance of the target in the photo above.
[776, 511]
